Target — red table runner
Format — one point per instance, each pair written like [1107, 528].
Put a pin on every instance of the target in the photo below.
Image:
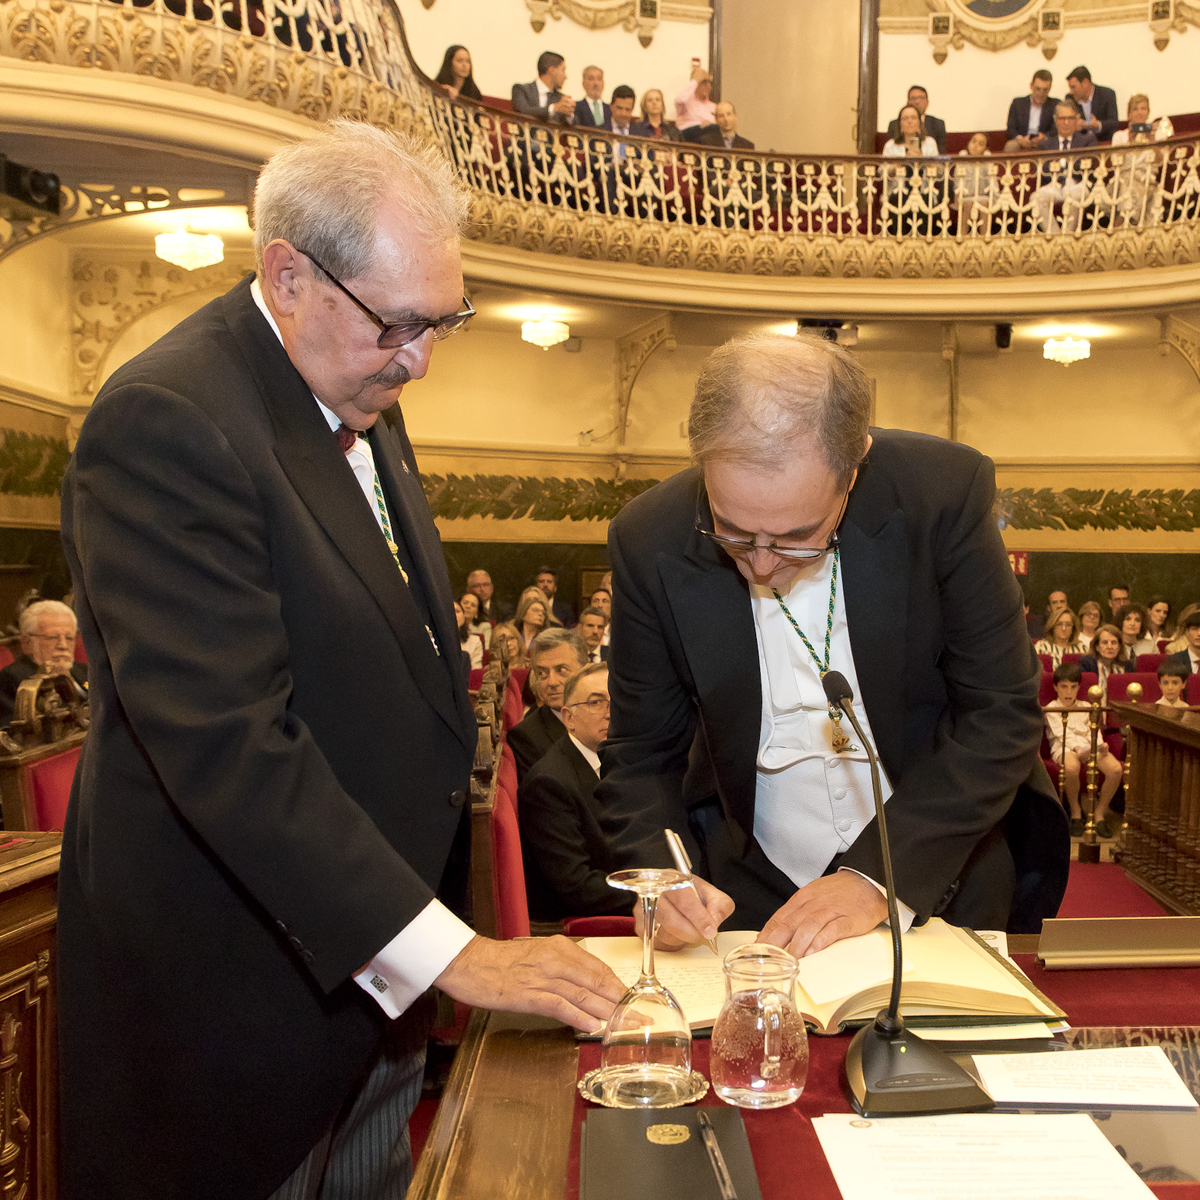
[787, 1154]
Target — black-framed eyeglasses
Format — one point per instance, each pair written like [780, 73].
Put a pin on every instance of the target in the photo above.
[739, 546]
[400, 333]
[594, 704]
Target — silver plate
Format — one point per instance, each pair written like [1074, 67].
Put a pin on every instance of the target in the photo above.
[589, 1089]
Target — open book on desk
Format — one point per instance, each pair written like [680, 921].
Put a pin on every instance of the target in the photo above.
[951, 977]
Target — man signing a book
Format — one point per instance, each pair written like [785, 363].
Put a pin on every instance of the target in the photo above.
[801, 542]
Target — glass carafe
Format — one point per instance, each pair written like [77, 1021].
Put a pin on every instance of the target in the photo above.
[759, 1053]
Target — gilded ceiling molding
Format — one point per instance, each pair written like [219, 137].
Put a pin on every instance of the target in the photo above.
[634, 16]
[633, 350]
[109, 295]
[1184, 337]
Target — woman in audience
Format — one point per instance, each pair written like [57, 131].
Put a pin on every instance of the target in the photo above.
[1132, 620]
[472, 643]
[531, 616]
[470, 607]
[507, 639]
[1091, 617]
[456, 78]
[654, 123]
[909, 189]
[1138, 113]
[973, 184]
[1179, 641]
[1109, 656]
[1158, 613]
[1138, 170]
[1062, 637]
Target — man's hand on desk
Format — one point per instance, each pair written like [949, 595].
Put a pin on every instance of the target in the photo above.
[683, 920]
[833, 907]
[550, 976]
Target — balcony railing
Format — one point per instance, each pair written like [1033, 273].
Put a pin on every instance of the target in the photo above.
[590, 195]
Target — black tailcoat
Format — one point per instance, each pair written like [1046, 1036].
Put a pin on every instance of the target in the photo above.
[947, 672]
[273, 779]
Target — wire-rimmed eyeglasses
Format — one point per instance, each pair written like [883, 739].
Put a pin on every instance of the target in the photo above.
[399, 333]
[739, 546]
[594, 704]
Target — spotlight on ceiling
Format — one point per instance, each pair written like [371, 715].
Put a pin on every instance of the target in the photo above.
[844, 333]
[1066, 350]
[189, 250]
[545, 333]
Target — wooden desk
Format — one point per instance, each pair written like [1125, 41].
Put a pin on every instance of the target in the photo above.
[507, 1123]
[16, 795]
[1162, 804]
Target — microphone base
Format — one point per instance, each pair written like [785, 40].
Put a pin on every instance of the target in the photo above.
[898, 1074]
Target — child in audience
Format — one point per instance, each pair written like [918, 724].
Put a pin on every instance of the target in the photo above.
[1077, 737]
[1171, 681]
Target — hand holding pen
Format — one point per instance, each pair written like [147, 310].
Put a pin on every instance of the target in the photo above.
[688, 912]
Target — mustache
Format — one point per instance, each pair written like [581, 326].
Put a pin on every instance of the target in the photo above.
[393, 375]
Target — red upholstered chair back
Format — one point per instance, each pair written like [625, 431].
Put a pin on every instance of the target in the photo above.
[1046, 690]
[1192, 691]
[508, 867]
[510, 715]
[80, 652]
[1071, 657]
[50, 787]
[1149, 663]
[6, 657]
[1046, 661]
[476, 680]
[1118, 685]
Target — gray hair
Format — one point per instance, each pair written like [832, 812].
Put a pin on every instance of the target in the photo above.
[551, 639]
[760, 397]
[31, 614]
[323, 194]
[573, 683]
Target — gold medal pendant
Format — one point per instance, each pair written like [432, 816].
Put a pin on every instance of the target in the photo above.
[841, 743]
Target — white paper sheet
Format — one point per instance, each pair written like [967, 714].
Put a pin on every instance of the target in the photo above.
[984, 1156]
[1123, 1077]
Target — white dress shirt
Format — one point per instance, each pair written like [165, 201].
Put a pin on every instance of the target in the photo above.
[810, 803]
[1035, 119]
[593, 759]
[426, 946]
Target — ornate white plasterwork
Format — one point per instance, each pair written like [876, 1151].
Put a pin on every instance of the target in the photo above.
[635, 16]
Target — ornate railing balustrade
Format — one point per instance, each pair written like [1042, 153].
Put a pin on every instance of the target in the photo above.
[590, 195]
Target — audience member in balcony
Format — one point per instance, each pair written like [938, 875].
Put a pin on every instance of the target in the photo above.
[910, 195]
[654, 123]
[623, 100]
[1091, 617]
[591, 112]
[1064, 177]
[565, 850]
[1109, 655]
[507, 638]
[724, 131]
[973, 183]
[532, 614]
[1062, 637]
[1137, 111]
[554, 657]
[910, 139]
[1172, 678]
[1158, 613]
[544, 98]
[694, 107]
[934, 127]
[455, 77]
[490, 607]
[472, 643]
[1118, 597]
[592, 626]
[561, 613]
[469, 603]
[1098, 105]
[1031, 118]
[1189, 656]
[48, 632]
[1131, 621]
[1072, 747]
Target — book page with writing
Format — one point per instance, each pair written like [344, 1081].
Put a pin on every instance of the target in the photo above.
[1062, 1155]
[1120, 1077]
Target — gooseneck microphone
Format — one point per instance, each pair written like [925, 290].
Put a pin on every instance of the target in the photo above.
[891, 1071]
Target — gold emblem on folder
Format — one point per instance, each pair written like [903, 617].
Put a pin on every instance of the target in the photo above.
[668, 1135]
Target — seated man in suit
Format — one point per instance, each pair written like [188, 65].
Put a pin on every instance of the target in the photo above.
[554, 656]
[1098, 104]
[591, 627]
[47, 644]
[547, 580]
[1187, 661]
[490, 608]
[724, 132]
[566, 856]
[803, 541]
[935, 127]
[544, 98]
[1031, 118]
[1063, 180]
[591, 112]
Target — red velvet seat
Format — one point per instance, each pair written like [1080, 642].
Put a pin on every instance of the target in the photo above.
[50, 788]
[510, 714]
[80, 652]
[476, 680]
[1148, 663]
[508, 866]
[1046, 661]
[6, 657]
[1118, 685]
[1192, 691]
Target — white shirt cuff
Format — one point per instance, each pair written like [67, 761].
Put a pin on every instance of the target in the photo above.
[906, 914]
[406, 967]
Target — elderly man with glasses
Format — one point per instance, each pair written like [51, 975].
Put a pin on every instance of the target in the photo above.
[268, 837]
[801, 542]
[47, 645]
